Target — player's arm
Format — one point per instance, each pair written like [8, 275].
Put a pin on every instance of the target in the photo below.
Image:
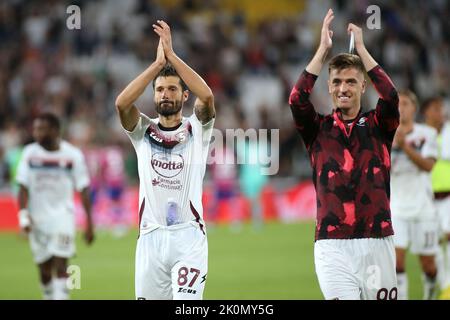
[424, 163]
[387, 106]
[86, 200]
[24, 217]
[303, 111]
[368, 61]
[382, 82]
[204, 104]
[317, 62]
[128, 112]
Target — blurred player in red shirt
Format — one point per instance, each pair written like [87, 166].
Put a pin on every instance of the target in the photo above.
[114, 179]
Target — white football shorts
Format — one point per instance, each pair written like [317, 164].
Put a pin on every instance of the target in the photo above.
[57, 243]
[443, 208]
[356, 269]
[171, 263]
[420, 236]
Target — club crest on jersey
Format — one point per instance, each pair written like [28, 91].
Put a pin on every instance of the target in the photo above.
[362, 121]
[167, 165]
[180, 136]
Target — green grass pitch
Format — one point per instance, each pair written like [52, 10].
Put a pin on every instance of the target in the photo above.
[275, 262]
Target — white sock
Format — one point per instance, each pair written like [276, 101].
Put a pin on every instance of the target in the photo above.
[429, 287]
[440, 265]
[61, 292]
[446, 275]
[402, 286]
[47, 290]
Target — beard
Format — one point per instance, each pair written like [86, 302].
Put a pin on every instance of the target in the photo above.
[167, 108]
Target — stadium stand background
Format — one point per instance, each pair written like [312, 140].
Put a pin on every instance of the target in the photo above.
[249, 52]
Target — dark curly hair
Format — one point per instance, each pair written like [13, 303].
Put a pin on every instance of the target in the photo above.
[168, 71]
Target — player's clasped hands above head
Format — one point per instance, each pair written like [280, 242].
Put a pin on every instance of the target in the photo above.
[162, 29]
[326, 38]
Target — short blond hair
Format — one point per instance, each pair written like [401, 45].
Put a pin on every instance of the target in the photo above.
[344, 61]
[411, 95]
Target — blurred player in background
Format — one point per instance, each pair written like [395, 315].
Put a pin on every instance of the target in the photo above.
[225, 186]
[349, 154]
[94, 163]
[114, 179]
[251, 179]
[4, 172]
[172, 249]
[106, 167]
[49, 172]
[434, 115]
[414, 217]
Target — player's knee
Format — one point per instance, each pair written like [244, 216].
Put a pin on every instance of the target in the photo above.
[400, 269]
[400, 265]
[429, 266]
[61, 273]
[61, 268]
[45, 271]
[45, 274]
[448, 238]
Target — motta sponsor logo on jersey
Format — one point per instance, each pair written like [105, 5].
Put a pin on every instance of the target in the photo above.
[167, 165]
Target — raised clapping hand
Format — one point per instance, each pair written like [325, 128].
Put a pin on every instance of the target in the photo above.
[399, 138]
[162, 29]
[357, 31]
[160, 56]
[327, 34]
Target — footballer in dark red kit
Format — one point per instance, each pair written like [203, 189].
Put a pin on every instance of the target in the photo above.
[349, 152]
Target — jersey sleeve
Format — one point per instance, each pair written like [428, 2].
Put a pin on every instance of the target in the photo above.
[206, 131]
[430, 147]
[307, 120]
[137, 134]
[80, 172]
[387, 115]
[23, 169]
[206, 128]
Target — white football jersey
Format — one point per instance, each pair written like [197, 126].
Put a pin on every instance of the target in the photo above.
[51, 178]
[444, 152]
[171, 166]
[411, 189]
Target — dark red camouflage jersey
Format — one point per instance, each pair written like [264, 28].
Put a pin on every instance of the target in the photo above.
[351, 163]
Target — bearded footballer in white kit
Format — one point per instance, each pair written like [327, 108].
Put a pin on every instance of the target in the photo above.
[49, 172]
[172, 249]
[414, 216]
